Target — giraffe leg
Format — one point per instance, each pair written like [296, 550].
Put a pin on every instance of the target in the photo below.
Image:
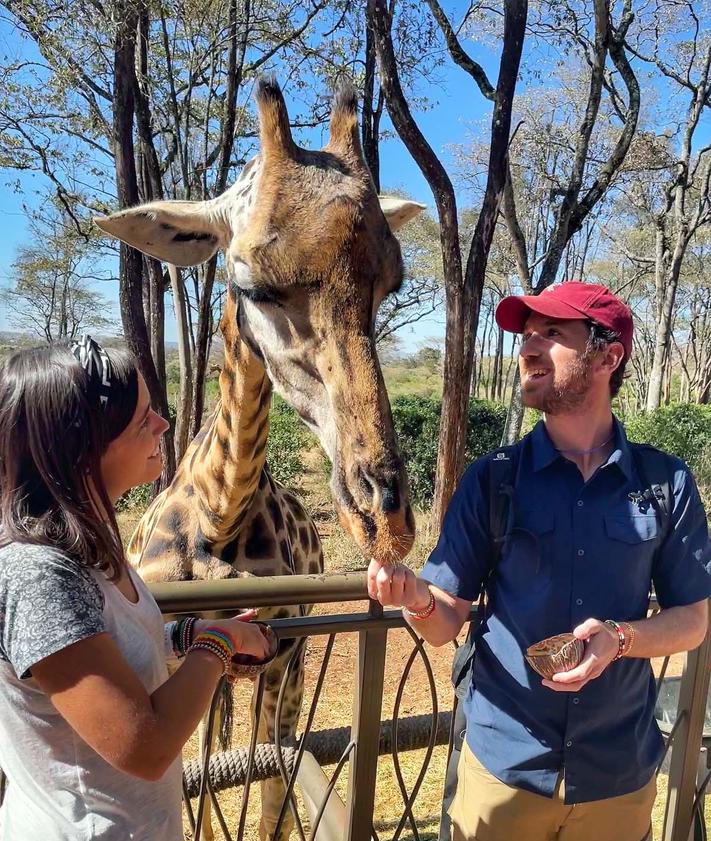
[273, 790]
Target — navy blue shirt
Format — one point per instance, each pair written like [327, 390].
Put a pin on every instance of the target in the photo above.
[578, 550]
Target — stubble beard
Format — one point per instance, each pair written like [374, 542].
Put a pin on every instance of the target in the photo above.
[568, 391]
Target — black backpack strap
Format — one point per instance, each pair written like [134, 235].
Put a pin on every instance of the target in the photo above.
[654, 469]
[501, 470]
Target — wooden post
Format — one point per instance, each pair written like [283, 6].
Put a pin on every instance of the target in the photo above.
[365, 731]
[683, 768]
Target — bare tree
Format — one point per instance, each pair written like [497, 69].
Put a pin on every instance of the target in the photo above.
[684, 202]
[462, 288]
[50, 292]
[584, 187]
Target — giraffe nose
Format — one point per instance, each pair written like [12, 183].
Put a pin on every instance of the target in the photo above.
[379, 495]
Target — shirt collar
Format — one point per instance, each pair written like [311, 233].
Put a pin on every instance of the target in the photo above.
[544, 453]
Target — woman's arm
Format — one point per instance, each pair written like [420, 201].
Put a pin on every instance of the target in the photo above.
[101, 698]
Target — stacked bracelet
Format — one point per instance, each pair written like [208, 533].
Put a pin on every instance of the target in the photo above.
[217, 642]
[621, 641]
[181, 635]
[425, 612]
[629, 636]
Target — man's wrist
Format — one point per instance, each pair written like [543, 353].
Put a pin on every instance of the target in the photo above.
[422, 597]
[421, 608]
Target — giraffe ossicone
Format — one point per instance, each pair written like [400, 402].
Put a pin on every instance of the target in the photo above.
[310, 255]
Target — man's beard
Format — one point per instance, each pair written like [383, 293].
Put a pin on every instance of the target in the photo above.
[569, 389]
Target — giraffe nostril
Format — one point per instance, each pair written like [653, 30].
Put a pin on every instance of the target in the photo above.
[381, 495]
[366, 485]
[390, 497]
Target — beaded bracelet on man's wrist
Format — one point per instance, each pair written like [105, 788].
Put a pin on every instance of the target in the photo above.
[621, 641]
[425, 613]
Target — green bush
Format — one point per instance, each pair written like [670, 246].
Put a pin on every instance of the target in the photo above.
[288, 438]
[137, 499]
[683, 429]
[417, 421]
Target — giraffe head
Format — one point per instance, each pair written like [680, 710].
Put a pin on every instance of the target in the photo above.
[310, 255]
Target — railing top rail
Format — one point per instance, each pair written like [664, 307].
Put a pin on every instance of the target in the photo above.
[264, 591]
[259, 591]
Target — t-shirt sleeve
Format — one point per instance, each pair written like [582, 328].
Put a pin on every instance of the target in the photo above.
[460, 561]
[47, 602]
[682, 567]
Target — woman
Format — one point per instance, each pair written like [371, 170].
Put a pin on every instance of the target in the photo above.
[91, 726]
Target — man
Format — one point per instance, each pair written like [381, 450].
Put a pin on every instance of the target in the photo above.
[572, 758]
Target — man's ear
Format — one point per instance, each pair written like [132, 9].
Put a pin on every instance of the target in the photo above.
[183, 233]
[399, 212]
[613, 356]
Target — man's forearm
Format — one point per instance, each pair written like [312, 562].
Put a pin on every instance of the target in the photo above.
[445, 621]
[670, 631]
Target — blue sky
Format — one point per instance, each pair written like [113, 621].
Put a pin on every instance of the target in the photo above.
[456, 109]
[456, 103]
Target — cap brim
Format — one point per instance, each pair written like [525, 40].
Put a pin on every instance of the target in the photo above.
[512, 312]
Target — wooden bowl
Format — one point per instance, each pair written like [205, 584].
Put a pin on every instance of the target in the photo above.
[244, 665]
[560, 653]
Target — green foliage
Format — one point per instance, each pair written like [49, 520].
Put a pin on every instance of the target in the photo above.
[683, 429]
[417, 421]
[288, 438]
[137, 499]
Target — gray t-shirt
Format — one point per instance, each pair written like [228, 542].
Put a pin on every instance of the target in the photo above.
[59, 788]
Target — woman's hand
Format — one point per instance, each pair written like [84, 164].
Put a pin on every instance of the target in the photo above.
[248, 638]
[601, 646]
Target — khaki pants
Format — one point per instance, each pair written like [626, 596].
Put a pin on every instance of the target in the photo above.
[485, 809]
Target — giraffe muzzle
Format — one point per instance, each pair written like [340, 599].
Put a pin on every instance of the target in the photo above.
[375, 510]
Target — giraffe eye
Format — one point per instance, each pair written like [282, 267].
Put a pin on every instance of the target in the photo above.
[260, 295]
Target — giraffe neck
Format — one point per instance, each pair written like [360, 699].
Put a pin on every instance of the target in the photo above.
[227, 461]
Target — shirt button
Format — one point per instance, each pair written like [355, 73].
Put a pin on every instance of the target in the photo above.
[581, 552]
[576, 700]
[569, 743]
[580, 503]
[578, 602]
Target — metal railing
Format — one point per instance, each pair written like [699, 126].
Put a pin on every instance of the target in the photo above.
[369, 738]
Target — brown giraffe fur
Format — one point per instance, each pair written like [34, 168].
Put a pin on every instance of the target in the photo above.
[310, 256]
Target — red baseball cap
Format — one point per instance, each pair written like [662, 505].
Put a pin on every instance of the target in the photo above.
[569, 300]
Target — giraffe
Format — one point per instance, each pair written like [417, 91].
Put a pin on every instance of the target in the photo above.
[310, 254]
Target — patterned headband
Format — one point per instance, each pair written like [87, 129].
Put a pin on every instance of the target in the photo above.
[95, 361]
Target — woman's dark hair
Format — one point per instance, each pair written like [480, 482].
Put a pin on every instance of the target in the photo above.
[54, 428]
[598, 339]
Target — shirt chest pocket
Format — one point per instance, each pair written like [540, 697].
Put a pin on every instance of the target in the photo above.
[526, 557]
[632, 537]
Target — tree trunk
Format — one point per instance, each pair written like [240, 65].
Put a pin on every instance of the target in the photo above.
[130, 260]
[662, 333]
[202, 345]
[514, 416]
[370, 128]
[452, 441]
[182, 414]
[235, 61]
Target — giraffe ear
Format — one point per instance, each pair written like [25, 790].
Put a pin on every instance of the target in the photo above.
[399, 212]
[183, 233]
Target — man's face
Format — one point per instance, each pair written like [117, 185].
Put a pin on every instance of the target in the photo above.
[556, 369]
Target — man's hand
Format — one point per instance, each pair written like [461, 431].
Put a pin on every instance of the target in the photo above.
[601, 646]
[397, 585]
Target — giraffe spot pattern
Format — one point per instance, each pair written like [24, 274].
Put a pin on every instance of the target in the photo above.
[260, 544]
